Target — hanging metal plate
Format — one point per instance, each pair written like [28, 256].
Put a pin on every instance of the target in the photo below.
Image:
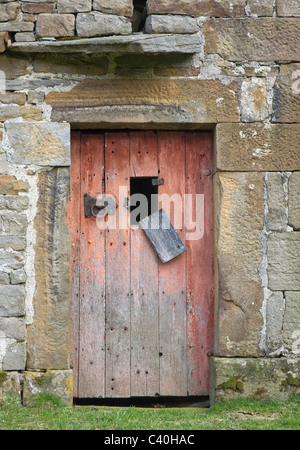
[164, 238]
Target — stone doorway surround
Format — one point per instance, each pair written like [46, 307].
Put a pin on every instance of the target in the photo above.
[250, 283]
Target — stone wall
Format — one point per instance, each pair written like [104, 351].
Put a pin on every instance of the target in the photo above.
[230, 66]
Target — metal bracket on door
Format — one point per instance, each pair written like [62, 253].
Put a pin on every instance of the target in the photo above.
[98, 208]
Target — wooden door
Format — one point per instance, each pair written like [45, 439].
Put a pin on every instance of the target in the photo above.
[141, 327]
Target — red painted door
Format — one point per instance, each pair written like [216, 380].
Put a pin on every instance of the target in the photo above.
[141, 327]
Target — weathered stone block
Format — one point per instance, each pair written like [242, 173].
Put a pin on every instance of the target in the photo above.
[18, 98]
[11, 261]
[119, 7]
[14, 26]
[255, 147]
[14, 203]
[38, 7]
[283, 252]
[13, 224]
[55, 25]
[48, 335]
[57, 382]
[18, 276]
[254, 107]
[258, 39]
[13, 67]
[25, 37]
[137, 101]
[4, 37]
[97, 24]
[286, 103]
[274, 323]
[137, 43]
[26, 112]
[12, 301]
[15, 243]
[9, 185]
[257, 378]
[13, 328]
[15, 356]
[171, 24]
[294, 200]
[73, 6]
[276, 186]
[288, 8]
[4, 278]
[260, 8]
[10, 385]
[239, 200]
[44, 144]
[214, 8]
[88, 65]
[291, 323]
[9, 11]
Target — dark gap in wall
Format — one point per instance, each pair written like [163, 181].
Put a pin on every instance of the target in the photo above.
[147, 402]
[139, 15]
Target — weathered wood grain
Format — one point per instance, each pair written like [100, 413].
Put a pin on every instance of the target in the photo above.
[92, 274]
[144, 281]
[117, 272]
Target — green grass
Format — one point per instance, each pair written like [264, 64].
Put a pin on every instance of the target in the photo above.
[48, 413]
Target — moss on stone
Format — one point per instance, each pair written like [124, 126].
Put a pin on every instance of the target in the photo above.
[3, 377]
[234, 383]
[291, 381]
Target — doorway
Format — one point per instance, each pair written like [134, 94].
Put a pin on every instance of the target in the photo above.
[140, 327]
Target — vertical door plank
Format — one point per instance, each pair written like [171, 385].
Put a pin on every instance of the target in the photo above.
[144, 281]
[117, 270]
[73, 220]
[200, 265]
[172, 275]
[92, 274]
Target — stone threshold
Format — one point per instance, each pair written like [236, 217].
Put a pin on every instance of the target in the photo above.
[139, 43]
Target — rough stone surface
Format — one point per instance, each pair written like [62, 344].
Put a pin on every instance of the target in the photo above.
[97, 24]
[15, 26]
[160, 101]
[258, 39]
[256, 147]
[274, 323]
[286, 103]
[15, 356]
[48, 335]
[283, 250]
[276, 216]
[294, 200]
[291, 328]
[171, 24]
[10, 185]
[239, 198]
[10, 385]
[12, 301]
[18, 98]
[288, 8]
[254, 107]
[55, 25]
[74, 6]
[25, 37]
[13, 328]
[26, 112]
[57, 382]
[9, 11]
[215, 8]
[118, 7]
[137, 43]
[262, 8]
[44, 144]
[38, 7]
[255, 378]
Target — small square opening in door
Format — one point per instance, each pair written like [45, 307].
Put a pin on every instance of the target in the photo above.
[143, 198]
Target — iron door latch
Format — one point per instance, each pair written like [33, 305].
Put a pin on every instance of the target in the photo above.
[98, 207]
